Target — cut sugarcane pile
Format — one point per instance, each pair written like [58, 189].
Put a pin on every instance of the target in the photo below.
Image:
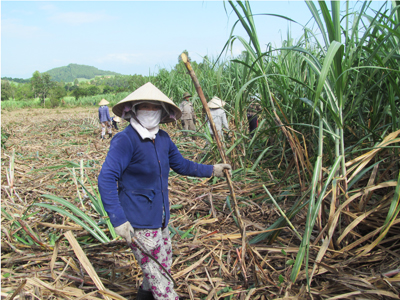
[46, 255]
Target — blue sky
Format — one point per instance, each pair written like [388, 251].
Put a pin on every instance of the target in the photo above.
[129, 37]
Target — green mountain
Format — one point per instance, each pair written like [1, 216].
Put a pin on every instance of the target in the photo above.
[72, 71]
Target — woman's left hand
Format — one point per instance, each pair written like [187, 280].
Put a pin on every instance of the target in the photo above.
[219, 169]
[124, 231]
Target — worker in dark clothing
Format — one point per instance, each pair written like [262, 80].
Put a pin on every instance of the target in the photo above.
[252, 113]
[115, 121]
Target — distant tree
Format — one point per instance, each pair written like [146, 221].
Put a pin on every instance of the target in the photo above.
[47, 85]
[5, 90]
[73, 88]
[41, 84]
[36, 82]
[92, 90]
[107, 89]
[13, 90]
[79, 92]
[76, 82]
[68, 86]
[120, 89]
[55, 94]
[24, 91]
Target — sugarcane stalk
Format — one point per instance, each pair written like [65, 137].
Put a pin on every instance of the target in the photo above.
[218, 141]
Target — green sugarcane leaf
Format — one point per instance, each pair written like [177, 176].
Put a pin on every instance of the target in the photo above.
[79, 213]
[75, 219]
[185, 235]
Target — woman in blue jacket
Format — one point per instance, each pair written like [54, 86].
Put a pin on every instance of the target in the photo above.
[133, 184]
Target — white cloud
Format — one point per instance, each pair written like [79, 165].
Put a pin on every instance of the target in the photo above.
[14, 28]
[78, 18]
[49, 7]
[121, 58]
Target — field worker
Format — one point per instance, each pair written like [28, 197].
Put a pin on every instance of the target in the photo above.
[115, 121]
[252, 113]
[218, 114]
[133, 184]
[104, 118]
[188, 118]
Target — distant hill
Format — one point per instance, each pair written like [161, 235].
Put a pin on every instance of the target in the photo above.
[72, 71]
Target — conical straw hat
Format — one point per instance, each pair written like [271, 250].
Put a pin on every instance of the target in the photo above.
[148, 92]
[117, 119]
[186, 94]
[215, 102]
[103, 102]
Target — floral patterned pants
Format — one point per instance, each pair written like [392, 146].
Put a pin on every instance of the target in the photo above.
[156, 242]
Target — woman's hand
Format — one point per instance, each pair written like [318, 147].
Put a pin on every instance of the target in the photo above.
[124, 231]
[219, 169]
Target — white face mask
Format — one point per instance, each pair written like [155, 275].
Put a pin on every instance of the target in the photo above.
[149, 118]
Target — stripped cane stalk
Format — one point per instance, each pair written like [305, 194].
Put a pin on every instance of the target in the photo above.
[219, 144]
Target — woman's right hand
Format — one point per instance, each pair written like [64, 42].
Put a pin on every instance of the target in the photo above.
[124, 231]
[219, 170]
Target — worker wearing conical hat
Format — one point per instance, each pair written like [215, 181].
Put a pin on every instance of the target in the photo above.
[133, 184]
[188, 118]
[218, 114]
[105, 119]
[115, 120]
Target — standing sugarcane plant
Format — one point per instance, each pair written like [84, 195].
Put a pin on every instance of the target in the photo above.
[336, 82]
[334, 78]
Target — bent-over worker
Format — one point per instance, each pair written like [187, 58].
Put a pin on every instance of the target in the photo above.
[115, 121]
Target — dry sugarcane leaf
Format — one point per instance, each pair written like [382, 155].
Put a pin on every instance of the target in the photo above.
[213, 292]
[18, 290]
[195, 265]
[63, 271]
[58, 226]
[53, 259]
[374, 292]
[85, 261]
[356, 221]
[111, 294]
[366, 249]
[39, 283]
[197, 289]
[238, 235]
[390, 138]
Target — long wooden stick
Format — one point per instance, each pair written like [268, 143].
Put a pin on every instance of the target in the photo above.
[217, 139]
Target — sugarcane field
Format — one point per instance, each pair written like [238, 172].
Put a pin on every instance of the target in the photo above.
[272, 175]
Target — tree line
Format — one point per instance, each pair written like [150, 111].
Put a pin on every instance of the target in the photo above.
[42, 86]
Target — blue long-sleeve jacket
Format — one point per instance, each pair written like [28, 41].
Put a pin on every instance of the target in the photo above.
[141, 169]
[104, 114]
